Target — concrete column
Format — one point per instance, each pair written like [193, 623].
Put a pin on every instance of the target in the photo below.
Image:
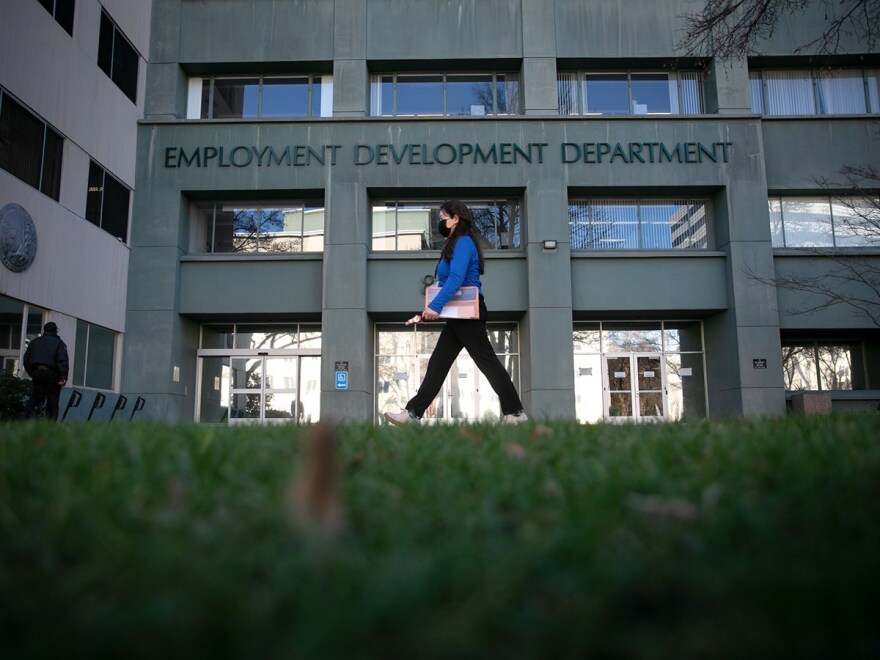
[350, 77]
[166, 83]
[345, 325]
[743, 348]
[727, 87]
[547, 326]
[539, 58]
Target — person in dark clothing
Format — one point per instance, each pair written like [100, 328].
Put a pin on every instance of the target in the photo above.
[461, 263]
[46, 362]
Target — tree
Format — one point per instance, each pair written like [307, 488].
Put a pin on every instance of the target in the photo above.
[727, 29]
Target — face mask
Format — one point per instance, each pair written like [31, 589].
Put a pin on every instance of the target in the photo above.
[443, 229]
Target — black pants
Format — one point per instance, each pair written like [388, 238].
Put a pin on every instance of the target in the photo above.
[471, 335]
[46, 388]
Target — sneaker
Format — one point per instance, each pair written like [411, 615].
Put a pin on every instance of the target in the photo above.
[515, 418]
[403, 417]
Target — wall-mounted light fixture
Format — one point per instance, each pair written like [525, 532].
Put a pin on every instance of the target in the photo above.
[549, 245]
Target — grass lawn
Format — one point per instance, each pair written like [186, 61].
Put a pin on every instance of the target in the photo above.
[730, 539]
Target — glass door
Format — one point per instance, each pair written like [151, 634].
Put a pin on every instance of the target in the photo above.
[634, 389]
[264, 390]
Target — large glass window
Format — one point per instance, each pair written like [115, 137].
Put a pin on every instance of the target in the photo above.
[62, 11]
[258, 227]
[814, 222]
[402, 356]
[639, 370]
[630, 93]
[117, 57]
[253, 97]
[412, 224]
[107, 202]
[94, 357]
[30, 149]
[638, 224]
[444, 94]
[814, 91]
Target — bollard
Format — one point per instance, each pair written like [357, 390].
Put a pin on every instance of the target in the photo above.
[120, 405]
[72, 402]
[98, 403]
[138, 405]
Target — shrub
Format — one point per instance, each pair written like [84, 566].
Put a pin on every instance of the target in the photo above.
[14, 394]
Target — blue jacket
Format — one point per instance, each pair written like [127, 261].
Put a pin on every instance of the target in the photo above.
[462, 270]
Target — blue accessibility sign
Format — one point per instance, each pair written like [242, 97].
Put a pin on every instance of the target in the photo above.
[341, 380]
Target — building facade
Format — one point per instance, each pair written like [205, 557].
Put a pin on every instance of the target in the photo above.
[638, 210]
[72, 81]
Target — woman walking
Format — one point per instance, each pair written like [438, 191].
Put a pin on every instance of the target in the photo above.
[461, 264]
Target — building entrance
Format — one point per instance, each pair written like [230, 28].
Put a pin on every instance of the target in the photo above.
[264, 375]
[635, 388]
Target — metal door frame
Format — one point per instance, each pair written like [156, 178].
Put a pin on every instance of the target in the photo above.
[633, 389]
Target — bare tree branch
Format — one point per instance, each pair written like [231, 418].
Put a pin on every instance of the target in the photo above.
[728, 29]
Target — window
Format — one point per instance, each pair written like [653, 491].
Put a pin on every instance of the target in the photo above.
[824, 222]
[671, 350]
[19, 324]
[259, 227]
[466, 396]
[254, 97]
[95, 356]
[814, 91]
[117, 57]
[819, 366]
[412, 224]
[637, 224]
[630, 93]
[107, 202]
[62, 10]
[30, 149]
[444, 94]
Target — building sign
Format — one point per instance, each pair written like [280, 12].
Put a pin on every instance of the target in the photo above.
[445, 153]
[759, 363]
[341, 374]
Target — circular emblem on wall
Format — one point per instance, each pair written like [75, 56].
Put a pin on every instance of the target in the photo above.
[18, 238]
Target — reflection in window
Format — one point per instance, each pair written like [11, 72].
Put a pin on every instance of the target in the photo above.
[632, 224]
[818, 366]
[402, 357]
[814, 91]
[817, 222]
[630, 93]
[249, 228]
[253, 97]
[94, 358]
[444, 94]
[412, 225]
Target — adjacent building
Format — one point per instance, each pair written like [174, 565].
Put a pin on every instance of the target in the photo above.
[72, 89]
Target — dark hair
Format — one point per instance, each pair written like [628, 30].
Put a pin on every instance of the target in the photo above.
[465, 227]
